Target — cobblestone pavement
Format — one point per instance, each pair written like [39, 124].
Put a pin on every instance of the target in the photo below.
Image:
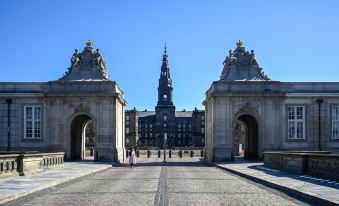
[177, 182]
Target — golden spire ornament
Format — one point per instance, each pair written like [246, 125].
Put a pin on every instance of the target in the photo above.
[89, 43]
[239, 44]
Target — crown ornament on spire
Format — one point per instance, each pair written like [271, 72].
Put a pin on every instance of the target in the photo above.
[239, 44]
[89, 43]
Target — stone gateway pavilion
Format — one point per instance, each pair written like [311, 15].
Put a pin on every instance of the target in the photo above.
[54, 116]
[247, 113]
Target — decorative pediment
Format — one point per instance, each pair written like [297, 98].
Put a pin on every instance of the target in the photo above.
[87, 65]
[240, 65]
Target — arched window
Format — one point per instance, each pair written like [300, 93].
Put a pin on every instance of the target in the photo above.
[165, 97]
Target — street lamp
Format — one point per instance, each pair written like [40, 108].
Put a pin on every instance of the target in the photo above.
[164, 145]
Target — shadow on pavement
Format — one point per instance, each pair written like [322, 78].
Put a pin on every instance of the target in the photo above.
[305, 178]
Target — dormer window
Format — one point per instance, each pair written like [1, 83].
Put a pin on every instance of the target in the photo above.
[165, 97]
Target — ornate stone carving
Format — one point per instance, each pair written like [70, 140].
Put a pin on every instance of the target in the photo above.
[241, 65]
[247, 107]
[87, 65]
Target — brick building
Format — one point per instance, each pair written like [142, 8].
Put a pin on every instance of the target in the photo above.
[177, 128]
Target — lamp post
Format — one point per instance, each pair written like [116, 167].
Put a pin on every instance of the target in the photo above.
[164, 145]
[9, 102]
[319, 102]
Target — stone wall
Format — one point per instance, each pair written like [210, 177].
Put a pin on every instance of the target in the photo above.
[321, 164]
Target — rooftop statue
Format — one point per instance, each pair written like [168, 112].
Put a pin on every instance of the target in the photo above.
[87, 65]
[240, 65]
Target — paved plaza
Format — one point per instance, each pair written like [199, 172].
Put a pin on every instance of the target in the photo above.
[151, 182]
[18, 186]
[317, 190]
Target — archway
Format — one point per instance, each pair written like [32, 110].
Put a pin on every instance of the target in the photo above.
[246, 137]
[82, 138]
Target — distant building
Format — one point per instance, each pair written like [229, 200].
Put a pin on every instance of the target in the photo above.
[84, 108]
[178, 128]
[248, 113]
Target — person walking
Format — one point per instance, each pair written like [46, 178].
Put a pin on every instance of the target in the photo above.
[132, 157]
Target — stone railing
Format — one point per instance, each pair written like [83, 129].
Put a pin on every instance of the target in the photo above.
[8, 165]
[321, 164]
[51, 160]
[169, 153]
[28, 163]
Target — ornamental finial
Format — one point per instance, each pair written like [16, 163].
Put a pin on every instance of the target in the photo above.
[164, 56]
[89, 43]
[239, 44]
[165, 49]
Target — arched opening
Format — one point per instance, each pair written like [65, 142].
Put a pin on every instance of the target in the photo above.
[82, 138]
[246, 137]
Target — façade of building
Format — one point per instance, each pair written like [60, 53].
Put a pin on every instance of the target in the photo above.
[165, 124]
[57, 115]
[247, 113]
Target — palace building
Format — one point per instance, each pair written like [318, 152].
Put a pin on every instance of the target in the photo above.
[247, 113]
[56, 116]
[165, 124]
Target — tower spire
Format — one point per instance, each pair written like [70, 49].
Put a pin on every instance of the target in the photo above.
[164, 57]
[165, 65]
[165, 82]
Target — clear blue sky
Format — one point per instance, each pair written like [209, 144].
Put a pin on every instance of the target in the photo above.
[293, 41]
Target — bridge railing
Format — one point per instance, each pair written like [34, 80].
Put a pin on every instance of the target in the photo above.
[28, 163]
[181, 153]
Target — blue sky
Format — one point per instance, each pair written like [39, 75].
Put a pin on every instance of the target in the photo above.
[293, 41]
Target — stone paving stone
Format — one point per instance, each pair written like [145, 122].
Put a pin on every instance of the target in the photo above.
[15, 187]
[316, 187]
[178, 182]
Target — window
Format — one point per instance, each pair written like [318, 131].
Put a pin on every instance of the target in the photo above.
[165, 117]
[202, 130]
[165, 97]
[296, 122]
[127, 130]
[202, 118]
[127, 117]
[335, 122]
[150, 135]
[32, 122]
[165, 125]
[179, 135]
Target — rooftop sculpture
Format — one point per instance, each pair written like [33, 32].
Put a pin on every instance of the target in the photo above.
[240, 65]
[87, 65]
